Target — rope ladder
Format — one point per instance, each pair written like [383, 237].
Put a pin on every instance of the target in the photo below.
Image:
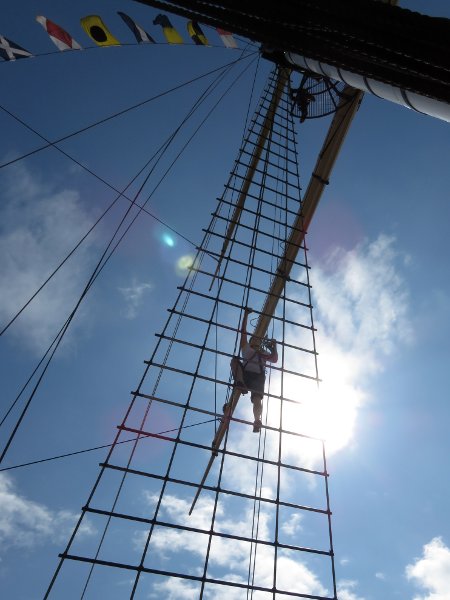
[214, 510]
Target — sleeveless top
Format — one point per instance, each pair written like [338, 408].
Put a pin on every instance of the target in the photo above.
[253, 361]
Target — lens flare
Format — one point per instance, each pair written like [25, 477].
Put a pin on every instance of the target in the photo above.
[184, 263]
[168, 240]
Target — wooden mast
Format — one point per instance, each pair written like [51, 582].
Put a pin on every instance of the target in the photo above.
[283, 78]
[319, 179]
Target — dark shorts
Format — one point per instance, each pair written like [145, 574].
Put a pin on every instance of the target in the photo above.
[255, 382]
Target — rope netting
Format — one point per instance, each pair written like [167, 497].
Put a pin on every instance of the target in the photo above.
[260, 517]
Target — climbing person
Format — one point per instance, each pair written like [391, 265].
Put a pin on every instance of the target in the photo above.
[250, 373]
[302, 98]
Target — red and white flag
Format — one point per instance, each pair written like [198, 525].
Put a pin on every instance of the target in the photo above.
[227, 38]
[60, 37]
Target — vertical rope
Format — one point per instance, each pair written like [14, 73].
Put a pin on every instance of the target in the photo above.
[260, 464]
[246, 293]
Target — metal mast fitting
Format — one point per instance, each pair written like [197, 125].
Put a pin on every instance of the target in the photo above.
[395, 53]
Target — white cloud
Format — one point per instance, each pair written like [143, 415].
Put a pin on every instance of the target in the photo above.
[226, 554]
[39, 226]
[182, 589]
[292, 526]
[134, 296]
[175, 589]
[26, 524]
[295, 576]
[228, 592]
[363, 302]
[380, 575]
[362, 319]
[345, 589]
[432, 571]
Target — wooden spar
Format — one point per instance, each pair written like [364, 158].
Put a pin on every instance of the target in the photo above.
[283, 77]
[202, 483]
[319, 179]
[224, 423]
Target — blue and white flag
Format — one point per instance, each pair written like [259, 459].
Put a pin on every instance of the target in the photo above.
[139, 33]
[10, 51]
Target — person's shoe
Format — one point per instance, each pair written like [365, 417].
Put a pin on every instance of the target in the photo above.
[257, 426]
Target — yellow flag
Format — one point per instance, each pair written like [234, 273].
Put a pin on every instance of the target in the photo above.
[97, 30]
[170, 33]
[197, 34]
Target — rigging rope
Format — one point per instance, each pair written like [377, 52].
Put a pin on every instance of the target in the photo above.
[133, 44]
[103, 261]
[113, 116]
[160, 519]
[207, 236]
[289, 126]
[121, 194]
[76, 452]
[260, 469]
[78, 244]
[216, 495]
[201, 254]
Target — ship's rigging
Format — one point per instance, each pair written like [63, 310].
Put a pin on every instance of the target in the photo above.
[249, 255]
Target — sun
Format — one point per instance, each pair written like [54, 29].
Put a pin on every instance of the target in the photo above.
[331, 415]
[328, 412]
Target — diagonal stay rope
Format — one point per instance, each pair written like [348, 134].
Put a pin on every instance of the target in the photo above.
[53, 143]
[129, 461]
[102, 262]
[120, 194]
[77, 452]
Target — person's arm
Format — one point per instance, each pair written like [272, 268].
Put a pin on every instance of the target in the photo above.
[273, 356]
[244, 341]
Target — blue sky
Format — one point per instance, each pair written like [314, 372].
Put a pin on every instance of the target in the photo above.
[379, 273]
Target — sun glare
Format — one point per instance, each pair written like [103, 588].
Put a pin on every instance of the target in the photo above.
[184, 263]
[331, 415]
[328, 412]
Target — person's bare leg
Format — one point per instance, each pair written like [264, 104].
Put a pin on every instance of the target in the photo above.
[238, 376]
[257, 412]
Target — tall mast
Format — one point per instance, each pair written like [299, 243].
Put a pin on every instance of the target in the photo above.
[319, 179]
